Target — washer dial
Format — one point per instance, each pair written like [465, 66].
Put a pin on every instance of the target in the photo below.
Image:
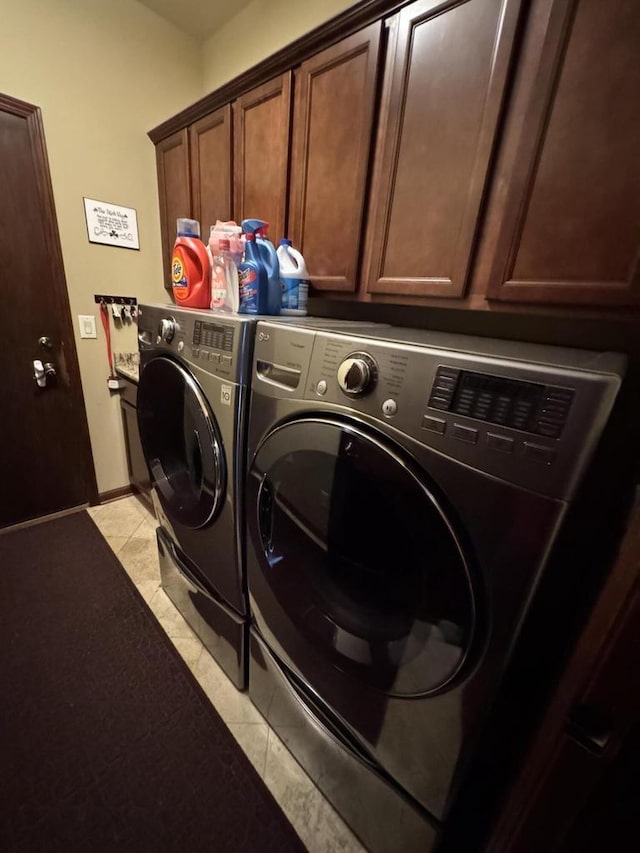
[357, 375]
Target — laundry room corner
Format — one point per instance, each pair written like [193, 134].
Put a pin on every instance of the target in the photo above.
[101, 74]
[287, 20]
[320, 495]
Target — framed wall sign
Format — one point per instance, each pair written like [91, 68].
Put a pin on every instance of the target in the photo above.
[111, 224]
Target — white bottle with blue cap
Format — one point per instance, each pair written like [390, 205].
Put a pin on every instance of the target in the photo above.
[295, 280]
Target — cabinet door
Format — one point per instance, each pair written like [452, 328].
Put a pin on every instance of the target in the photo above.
[210, 154]
[136, 463]
[570, 224]
[172, 159]
[444, 86]
[261, 121]
[332, 128]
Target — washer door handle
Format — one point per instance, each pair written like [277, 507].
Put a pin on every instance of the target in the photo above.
[265, 512]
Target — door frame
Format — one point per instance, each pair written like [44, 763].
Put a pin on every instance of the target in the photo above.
[83, 458]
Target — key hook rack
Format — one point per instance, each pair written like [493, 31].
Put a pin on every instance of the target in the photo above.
[115, 300]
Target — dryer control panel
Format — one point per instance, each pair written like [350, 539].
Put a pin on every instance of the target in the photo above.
[216, 344]
[213, 335]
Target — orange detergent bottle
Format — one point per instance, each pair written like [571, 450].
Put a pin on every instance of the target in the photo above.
[190, 267]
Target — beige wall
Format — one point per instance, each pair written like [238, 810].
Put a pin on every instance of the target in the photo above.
[103, 74]
[260, 29]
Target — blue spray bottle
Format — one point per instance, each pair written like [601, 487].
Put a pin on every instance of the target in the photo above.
[270, 262]
[252, 280]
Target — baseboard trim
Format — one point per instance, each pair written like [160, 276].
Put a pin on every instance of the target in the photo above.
[114, 494]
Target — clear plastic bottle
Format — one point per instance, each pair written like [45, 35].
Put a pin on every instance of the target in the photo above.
[224, 279]
[231, 232]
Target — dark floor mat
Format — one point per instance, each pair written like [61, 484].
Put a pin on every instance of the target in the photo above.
[107, 742]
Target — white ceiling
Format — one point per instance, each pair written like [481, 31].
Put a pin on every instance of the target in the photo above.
[198, 18]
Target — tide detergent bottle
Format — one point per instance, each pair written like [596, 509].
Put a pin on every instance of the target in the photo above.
[252, 279]
[269, 259]
[190, 267]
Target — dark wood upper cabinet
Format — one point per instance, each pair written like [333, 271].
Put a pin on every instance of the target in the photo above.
[445, 80]
[210, 155]
[479, 151]
[569, 227]
[335, 95]
[172, 159]
[261, 123]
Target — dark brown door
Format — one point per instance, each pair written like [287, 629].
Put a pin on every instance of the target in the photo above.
[577, 790]
[210, 154]
[172, 159]
[45, 455]
[570, 224]
[445, 79]
[261, 121]
[332, 129]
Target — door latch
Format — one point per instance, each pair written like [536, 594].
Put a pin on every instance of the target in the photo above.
[42, 373]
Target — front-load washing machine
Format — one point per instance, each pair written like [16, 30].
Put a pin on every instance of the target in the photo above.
[404, 490]
[192, 399]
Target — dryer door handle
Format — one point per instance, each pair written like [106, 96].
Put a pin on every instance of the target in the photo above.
[199, 460]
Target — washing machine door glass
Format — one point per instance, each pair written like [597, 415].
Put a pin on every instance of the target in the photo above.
[357, 558]
[181, 443]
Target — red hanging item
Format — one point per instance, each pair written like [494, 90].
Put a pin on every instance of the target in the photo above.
[106, 325]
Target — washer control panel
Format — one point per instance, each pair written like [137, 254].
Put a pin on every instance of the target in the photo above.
[357, 374]
[526, 406]
[525, 422]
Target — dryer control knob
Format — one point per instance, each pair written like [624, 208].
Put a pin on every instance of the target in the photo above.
[167, 330]
[357, 374]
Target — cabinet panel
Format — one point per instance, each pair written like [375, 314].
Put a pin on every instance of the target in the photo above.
[332, 128]
[172, 160]
[210, 154]
[444, 87]
[261, 153]
[136, 463]
[570, 228]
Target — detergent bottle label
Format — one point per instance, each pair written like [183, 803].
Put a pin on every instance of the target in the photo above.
[218, 287]
[248, 281]
[178, 276]
[295, 294]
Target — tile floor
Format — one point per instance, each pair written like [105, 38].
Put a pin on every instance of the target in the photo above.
[129, 528]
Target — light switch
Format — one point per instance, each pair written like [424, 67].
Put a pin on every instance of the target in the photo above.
[87, 325]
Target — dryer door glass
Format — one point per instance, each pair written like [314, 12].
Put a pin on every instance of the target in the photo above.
[356, 559]
[181, 443]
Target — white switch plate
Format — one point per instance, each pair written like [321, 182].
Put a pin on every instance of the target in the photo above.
[87, 325]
